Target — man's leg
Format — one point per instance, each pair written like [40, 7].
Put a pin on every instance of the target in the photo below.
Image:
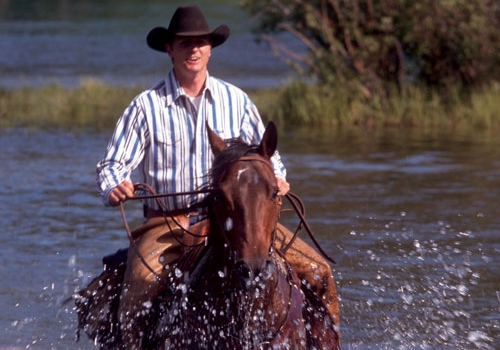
[159, 248]
[313, 268]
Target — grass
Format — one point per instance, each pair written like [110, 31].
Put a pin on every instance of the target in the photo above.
[92, 105]
[96, 106]
[300, 104]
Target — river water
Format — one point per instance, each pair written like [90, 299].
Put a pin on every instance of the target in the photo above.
[63, 41]
[411, 219]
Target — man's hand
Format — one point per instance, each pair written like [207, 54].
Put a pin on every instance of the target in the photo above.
[283, 186]
[120, 193]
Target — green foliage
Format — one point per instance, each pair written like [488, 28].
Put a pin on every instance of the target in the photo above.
[380, 45]
[453, 42]
[94, 106]
[301, 104]
[91, 105]
[484, 112]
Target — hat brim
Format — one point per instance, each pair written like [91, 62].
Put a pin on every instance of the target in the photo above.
[158, 37]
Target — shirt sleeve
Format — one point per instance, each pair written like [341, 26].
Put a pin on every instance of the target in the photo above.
[124, 153]
[253, 131]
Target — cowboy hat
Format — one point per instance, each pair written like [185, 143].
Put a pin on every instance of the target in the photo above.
[186, 21]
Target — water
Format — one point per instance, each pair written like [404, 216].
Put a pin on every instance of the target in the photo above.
[48, 41]
[412, 221]
[415, 226]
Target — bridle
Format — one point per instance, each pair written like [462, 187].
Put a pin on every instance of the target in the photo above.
[298, 207]
[295, 201]
[295, 297]
[267, 163]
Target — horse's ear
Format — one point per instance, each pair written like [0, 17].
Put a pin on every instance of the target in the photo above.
[217, 143]
[269, 141]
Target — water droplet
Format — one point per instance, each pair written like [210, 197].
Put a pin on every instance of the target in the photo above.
[228, 224]
[72, 261]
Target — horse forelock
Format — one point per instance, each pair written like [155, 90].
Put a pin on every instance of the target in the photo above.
[236, 148]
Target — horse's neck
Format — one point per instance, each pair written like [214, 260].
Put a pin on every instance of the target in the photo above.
[267, 303]
[262, 303]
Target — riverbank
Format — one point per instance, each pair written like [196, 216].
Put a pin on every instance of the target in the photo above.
[96, 106]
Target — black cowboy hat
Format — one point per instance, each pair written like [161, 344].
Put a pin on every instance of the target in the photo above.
[186, 21]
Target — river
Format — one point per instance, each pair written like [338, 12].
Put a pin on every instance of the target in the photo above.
[61, 41]
[411, 219]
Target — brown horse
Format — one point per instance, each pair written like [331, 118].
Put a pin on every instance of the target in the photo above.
[243, 294]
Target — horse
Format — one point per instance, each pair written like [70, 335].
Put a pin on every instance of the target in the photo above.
[242, 292]
[235, 291]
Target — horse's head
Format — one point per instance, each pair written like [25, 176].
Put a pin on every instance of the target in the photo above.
[245, 200]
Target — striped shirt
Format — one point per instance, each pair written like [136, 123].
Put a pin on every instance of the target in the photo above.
[162, 135]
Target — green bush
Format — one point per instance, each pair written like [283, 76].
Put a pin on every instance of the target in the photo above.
[379, 44]
[302, 104]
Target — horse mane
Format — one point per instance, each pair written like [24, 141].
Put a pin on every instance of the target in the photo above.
[236, 148]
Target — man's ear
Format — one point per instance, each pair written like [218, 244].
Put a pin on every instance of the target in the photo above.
[168, 49]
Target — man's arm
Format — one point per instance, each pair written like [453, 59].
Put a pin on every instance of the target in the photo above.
[124, 153]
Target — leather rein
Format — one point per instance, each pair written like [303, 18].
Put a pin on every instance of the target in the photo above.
[295, 201]
[166, 215]
[299, 208]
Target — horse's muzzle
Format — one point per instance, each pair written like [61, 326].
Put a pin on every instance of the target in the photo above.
[250, 276]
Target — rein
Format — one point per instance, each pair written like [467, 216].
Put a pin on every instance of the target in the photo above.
[147, 188]
[294, 200]
[299, 208]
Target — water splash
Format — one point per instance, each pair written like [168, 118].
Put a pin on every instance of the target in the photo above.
[421, 297]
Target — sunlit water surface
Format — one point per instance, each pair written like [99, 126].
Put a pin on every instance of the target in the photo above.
[48, 41]
[412, 221]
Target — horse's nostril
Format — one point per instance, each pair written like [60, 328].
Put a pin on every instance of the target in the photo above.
[268, 269]
[244, 270]
[249, 273]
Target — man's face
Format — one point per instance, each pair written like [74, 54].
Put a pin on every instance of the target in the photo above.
[190, 54]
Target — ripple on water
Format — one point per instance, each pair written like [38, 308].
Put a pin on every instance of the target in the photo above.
[415, 237]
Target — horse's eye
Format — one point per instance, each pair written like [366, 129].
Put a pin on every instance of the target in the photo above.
[217, 195]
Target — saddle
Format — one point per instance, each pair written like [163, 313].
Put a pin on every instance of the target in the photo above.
[97, 304]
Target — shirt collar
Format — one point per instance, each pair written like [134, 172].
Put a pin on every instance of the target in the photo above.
[174, 90]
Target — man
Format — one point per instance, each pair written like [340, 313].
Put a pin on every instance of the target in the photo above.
[162, 134]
